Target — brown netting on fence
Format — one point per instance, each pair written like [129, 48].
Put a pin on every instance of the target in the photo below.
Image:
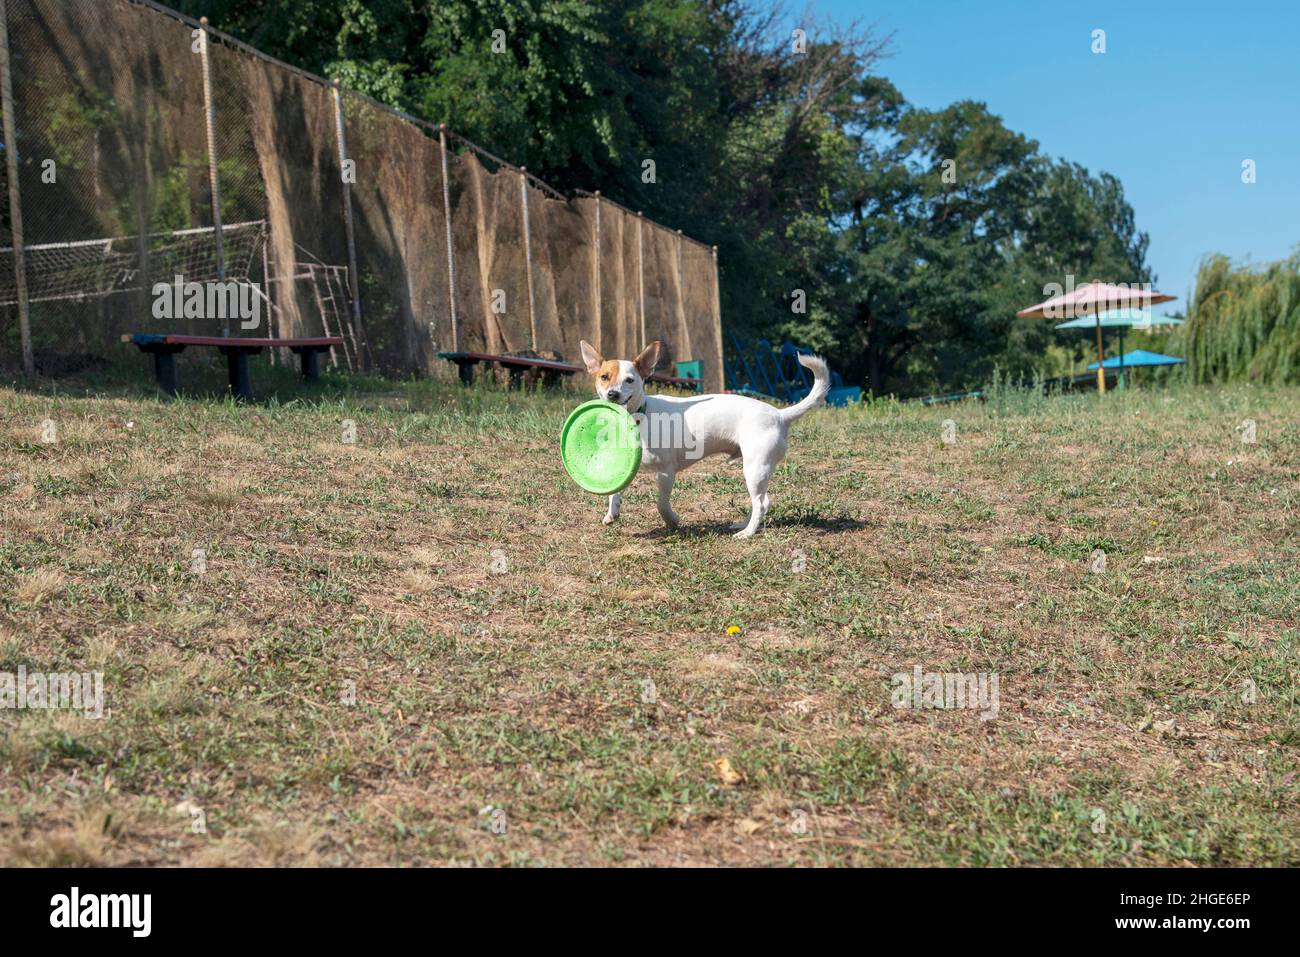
[400, 237]
[490, 210]
[620, 326]
[290, 126]
[114, 174]
[239, 175]
[702, 333]
[110, 180]
[662, 287]
[563, 244]
[478, 330]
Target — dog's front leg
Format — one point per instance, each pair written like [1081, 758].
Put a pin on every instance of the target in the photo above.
[615, 505]
[665, 480]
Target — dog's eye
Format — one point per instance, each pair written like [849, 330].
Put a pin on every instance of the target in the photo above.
[628, 379]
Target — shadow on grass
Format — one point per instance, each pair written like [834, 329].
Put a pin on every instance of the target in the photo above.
[826, 524]
[823, 523]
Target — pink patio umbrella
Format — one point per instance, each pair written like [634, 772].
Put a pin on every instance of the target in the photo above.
[1092, 299]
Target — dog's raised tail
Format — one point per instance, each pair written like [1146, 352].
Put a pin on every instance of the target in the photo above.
[816, 395]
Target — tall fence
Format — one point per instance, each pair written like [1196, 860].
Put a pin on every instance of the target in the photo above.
[142, 146]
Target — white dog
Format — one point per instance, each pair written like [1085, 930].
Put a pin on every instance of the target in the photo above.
[678, 432]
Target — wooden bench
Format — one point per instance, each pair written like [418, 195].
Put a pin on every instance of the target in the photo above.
[163, 348]
[551, 370]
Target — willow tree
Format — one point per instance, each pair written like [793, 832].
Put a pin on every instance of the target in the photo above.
[1244, 323]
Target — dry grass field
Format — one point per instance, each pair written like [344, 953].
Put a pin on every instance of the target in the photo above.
[424, 648]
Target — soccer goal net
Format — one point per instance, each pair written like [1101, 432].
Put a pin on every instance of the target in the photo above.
[95, 268]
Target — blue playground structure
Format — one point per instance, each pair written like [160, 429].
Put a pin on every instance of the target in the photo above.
[761, 370]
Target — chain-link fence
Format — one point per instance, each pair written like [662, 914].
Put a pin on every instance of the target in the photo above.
[152, 149]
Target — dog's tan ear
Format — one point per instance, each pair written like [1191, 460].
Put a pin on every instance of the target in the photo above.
[649, 358]
[590, 356]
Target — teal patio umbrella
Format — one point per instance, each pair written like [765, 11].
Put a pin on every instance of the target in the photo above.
[1138, 358]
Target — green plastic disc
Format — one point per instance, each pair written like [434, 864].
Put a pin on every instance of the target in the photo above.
[601, 447]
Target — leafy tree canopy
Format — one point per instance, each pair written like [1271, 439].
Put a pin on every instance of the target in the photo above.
[900, 240]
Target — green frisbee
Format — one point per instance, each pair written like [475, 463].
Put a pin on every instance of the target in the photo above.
[601, 447]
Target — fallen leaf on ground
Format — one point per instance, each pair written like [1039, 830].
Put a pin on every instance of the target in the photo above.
[729, 775]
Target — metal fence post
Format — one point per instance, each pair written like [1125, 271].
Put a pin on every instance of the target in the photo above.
[595, 278]
[640, 279]
[210, 116]
[528, 257]
[15, 200]
[451, 258]
[270, 315]
[354, 277]
[717, 323]
[681, 288]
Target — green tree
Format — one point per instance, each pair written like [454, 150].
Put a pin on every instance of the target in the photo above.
[956, 223]
[911, 236]
[1244, 323]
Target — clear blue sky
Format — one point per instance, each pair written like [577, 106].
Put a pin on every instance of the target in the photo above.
[1197, 86]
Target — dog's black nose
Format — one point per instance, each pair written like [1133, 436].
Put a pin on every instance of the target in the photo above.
[612, 396]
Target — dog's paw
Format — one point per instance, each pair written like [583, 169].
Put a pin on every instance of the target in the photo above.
[609, 519]
[745, 533]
